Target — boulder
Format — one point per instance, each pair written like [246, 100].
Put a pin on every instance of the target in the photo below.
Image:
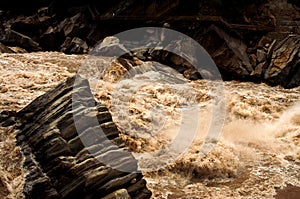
[176, 54]
[284, 65]
[68, 156]
[15, 38]
[51, 39]
[27, 25]
[76, 26]
[74, 46]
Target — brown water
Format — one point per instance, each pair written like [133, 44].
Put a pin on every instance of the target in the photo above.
[257, 154]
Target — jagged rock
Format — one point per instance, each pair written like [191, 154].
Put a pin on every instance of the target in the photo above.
[66, 155]
[45, 17]
[164, 55]
[284, 65]
[259, 25]
[7, 114]
[184, 60]
[75, 26]
[75, 46]
[37, 28]
[110, 47]
[51, 39]
[229, 53]
[17, 39]
[29, 26]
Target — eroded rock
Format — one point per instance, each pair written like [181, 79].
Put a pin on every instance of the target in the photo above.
[284, 65]
[66, 155]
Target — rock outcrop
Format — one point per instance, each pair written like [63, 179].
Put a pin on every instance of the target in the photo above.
[14, 38]
[68, 156]
[229, 53]
[285, 63]
[239, 35]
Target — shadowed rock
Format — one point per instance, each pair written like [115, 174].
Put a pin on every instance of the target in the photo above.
[5, 49]
[240, 36]
[15, 38]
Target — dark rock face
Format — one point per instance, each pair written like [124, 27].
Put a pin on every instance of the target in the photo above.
[51, 136]
[15, 38]
[74, 46]
[239, 35]
[284, 66]
[228, 52]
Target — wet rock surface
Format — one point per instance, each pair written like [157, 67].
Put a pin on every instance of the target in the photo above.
[57, 162]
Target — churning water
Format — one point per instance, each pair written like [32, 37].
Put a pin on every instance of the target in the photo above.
[257, 153]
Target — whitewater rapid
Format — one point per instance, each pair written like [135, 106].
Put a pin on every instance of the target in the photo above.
[257, 153]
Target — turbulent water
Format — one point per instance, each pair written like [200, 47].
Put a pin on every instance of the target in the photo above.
[256, 155]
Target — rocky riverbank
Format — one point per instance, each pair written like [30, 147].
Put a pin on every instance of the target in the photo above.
[256, 42]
